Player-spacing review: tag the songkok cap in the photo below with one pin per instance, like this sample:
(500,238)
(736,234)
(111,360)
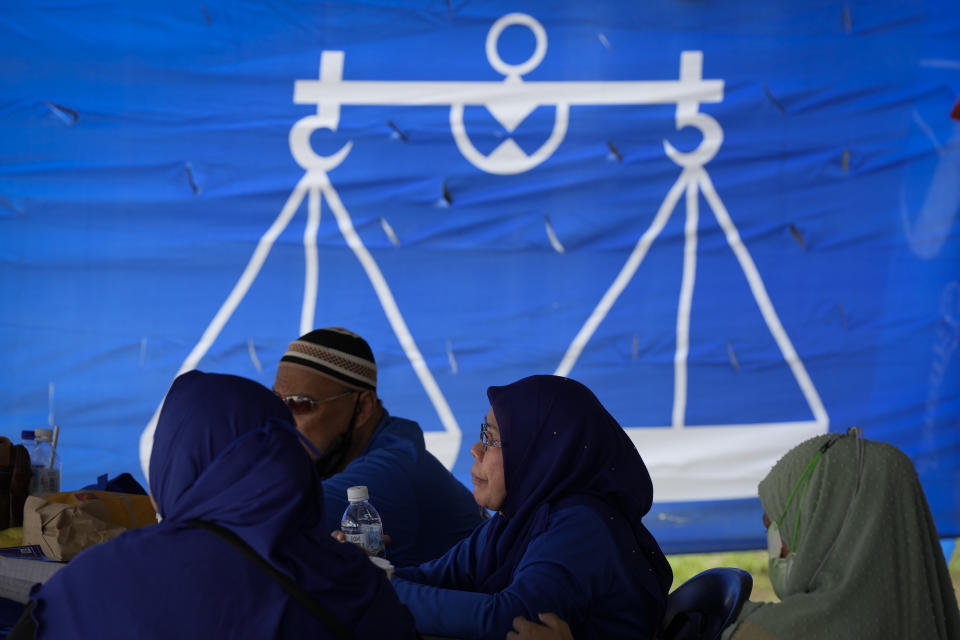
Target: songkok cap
(338,354)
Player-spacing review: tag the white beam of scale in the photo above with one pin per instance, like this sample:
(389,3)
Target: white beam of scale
(679,459)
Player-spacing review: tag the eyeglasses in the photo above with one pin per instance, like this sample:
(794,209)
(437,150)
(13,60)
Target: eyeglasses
(301,404)
(485,440)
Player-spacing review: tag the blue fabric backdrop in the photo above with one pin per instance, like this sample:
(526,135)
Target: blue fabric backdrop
(146,154)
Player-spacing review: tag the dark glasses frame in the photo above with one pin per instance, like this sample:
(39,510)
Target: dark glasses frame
(300,404)
(485,440)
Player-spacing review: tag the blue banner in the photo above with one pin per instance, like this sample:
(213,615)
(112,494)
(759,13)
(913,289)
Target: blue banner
(736,224)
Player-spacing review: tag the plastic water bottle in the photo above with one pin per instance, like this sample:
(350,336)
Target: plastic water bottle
(361,522)
(29,441)
(45,464)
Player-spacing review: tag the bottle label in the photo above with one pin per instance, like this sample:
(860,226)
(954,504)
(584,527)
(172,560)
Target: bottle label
(368,537)
(45,481)
(355,538)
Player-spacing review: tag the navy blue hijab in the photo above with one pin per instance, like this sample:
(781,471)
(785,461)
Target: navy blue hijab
(561,447)
(225,451)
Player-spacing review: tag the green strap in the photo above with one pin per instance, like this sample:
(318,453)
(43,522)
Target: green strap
(804,480)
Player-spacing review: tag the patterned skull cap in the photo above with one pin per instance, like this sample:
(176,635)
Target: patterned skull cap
(338,354)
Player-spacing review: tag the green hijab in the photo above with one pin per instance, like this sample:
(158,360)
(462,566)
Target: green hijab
(868,562)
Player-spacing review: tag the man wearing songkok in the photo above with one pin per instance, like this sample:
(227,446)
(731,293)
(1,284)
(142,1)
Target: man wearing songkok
(328,379)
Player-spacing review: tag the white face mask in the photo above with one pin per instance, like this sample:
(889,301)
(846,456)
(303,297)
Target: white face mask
(779,567)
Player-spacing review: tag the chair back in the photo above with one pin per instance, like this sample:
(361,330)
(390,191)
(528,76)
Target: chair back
(704,605)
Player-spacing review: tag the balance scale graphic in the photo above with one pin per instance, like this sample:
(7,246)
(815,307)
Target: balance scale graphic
(686,463)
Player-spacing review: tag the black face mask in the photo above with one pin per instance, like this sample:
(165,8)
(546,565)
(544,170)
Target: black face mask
(332,457)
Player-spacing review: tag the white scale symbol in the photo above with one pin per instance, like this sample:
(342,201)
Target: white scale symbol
(687,464)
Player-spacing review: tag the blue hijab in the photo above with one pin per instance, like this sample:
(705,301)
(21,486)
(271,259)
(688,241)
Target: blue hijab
(225,451)
(561,447)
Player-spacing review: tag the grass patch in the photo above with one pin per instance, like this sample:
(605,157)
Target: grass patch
(954,567)
(687,565)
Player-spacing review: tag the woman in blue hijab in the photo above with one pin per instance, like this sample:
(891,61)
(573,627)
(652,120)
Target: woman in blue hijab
(570,490)
(225,452)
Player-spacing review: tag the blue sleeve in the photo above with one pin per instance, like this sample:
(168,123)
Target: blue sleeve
(564,570)
(335,500)
(453,570)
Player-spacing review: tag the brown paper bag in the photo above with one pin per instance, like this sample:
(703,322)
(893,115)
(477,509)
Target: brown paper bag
(64,524)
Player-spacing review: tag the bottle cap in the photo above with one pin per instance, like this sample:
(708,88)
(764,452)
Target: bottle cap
(358,493)
(26,434)
(44,435)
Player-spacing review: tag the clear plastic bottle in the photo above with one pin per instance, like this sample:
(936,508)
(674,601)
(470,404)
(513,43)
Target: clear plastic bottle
(361,522)
(45,464)
(29,441)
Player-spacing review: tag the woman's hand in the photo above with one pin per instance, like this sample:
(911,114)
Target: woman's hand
(555,629)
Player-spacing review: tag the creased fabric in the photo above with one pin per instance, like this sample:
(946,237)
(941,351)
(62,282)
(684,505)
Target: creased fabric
(868,563)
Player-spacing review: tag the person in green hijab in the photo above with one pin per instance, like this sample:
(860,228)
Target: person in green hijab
(854,552)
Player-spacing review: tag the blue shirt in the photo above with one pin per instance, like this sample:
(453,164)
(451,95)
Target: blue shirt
(573,569)
(424,509)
